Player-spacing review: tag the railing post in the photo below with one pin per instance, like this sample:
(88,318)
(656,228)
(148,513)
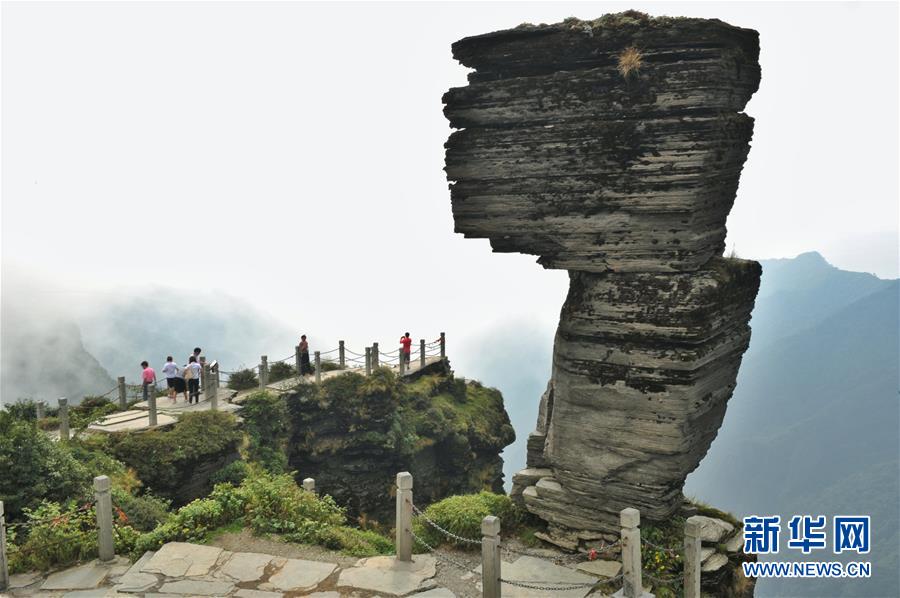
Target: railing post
(297,360)
(309,485)
(490,557)
(212,379)
(374,355)
(632,587)
(404,516)
(443,345)
(692,557)
(263,371)
(422,353)
(402,362)
(341,359)
(103,507)
(368,360)
(151,407)
(63,419)
(122,400)
(4,563)
(39,410)
(204,376)
(318,367)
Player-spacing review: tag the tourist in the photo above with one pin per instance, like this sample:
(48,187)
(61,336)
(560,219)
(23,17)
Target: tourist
(148,379)
(196,356)
(174,381)
(407,348)
(192,377)
(304,356)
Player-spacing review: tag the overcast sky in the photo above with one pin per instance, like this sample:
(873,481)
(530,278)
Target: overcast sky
(292,154)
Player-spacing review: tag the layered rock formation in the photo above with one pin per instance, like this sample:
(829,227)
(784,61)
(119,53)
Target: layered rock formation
(613,149)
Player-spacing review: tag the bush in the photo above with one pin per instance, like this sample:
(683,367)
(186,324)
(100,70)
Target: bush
(266,423)
(34,468)
(275,504)
(56,536)
(280,370)
(243,379)
(24,409)
(166,460)
(462,515)
(233,473)
(143,513)
(90,410)
(356,542)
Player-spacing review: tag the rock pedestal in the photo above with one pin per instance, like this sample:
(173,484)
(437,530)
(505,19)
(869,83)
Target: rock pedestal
(613,149)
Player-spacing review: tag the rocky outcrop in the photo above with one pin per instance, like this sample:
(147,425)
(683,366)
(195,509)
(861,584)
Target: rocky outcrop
(354,434)
(613,149)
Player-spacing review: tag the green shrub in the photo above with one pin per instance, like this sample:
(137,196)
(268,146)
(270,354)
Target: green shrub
(56,536)
(34,468)
(166,459)
(190,523)
(266,423)
(281,370)
(144,512)
(48,423)
(356,542)
(462,515)
(243,379)
(24,409)
(275,504)
(329,366)
(233,473)
(89,410)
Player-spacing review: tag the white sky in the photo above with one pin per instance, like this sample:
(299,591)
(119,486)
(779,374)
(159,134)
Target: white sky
(292,154)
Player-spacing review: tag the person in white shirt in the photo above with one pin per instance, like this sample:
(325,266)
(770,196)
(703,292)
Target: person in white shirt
(192,375)
(174,379)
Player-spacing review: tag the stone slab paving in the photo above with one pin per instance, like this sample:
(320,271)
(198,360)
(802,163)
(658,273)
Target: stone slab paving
(181,559)
(83,577)
(181,569)
(534,570)
(600,568)
(298,575)
(386,575)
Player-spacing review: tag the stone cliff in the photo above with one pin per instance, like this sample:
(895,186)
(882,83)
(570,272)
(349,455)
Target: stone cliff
(613,149)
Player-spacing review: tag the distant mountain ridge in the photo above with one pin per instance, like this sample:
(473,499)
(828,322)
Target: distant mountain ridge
(813,424)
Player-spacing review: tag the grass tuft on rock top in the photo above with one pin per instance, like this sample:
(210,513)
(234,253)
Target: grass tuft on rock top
(281,370)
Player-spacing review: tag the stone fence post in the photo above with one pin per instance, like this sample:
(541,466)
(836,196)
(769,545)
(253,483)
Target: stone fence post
(151,407)
(103,507)
(402,366)
(404,516)
(342,361)
(318,367)
(63,419)
(632,586)
(443,345)
(123,401)
(374,355)
(263,371)
(490,557)
(212,388)
(692,557)
(4,564)
(368,360)
(309,485)
(297,360)
(422,353)
(39,410)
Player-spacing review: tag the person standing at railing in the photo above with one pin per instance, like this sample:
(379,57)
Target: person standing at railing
(406,341)
(148,380)
(192,377)
(174,379)
(304,356)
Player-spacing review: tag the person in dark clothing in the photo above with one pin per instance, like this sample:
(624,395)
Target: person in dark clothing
(304,356)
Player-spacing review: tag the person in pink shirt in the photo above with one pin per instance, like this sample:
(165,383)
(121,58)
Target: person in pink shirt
(148,379)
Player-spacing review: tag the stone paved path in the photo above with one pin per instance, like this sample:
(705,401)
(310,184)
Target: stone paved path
(179,569)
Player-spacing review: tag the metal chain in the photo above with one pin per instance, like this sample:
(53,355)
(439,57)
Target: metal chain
(450,534)
(556,586)
(442,557)
(567,558)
